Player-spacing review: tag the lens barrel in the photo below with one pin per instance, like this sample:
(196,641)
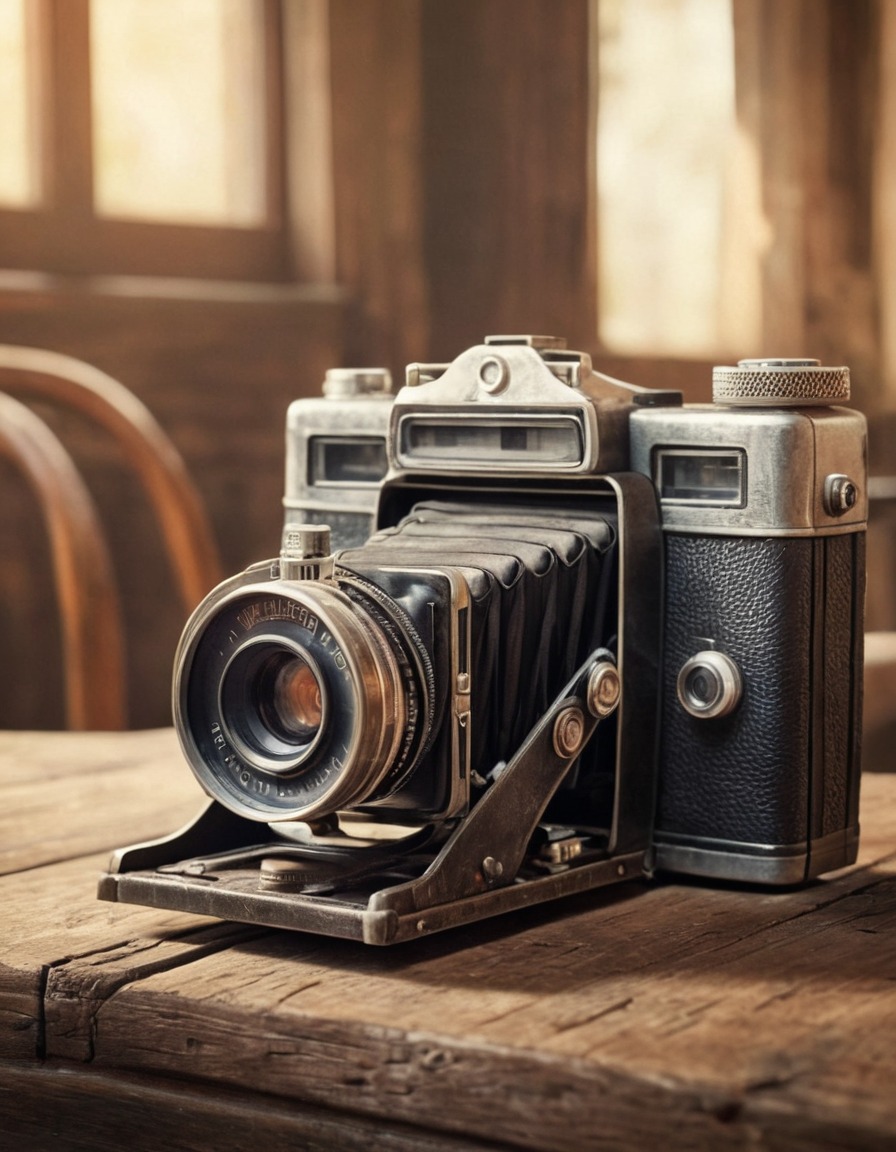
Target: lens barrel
(297,699)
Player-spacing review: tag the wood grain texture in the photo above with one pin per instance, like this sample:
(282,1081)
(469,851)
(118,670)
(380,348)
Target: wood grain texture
(507,186)
(51,918)
(610,1014)
(61,800)
(63,805)
(377,126)
(667,1013)
(807,92)
(73,1110)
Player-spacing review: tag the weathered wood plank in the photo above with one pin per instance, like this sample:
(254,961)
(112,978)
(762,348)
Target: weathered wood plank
(806,95)
(508,229)
(673,1013)
(61,798)
(377,122)
(65,804)
(724,1013)
(75,1110)
(53,924)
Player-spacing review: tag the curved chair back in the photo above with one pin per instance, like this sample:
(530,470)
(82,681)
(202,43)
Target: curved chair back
(85,583)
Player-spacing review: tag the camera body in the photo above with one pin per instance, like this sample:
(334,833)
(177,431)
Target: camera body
(595,633)
(758,771)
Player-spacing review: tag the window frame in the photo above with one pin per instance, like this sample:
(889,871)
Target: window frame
(65,235)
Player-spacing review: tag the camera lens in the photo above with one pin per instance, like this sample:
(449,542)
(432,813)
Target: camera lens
(295,699)
(272,703)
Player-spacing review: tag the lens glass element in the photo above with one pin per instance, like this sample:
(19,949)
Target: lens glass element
(296,707)
(273,704)
(702,687)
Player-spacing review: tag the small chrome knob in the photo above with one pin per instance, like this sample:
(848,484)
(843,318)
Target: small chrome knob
(305,552)
(840,494)
(603,690)
(709,685)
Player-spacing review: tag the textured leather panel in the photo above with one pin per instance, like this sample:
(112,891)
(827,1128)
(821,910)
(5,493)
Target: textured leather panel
(742,777)
(832,790)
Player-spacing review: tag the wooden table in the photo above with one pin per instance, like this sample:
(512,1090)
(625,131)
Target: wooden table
(665,1015)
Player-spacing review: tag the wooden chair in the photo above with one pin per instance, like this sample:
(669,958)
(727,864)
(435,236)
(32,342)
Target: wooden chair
(89,605)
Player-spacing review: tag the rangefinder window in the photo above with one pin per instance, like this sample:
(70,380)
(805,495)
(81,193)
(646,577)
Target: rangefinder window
(355,460)
(719,478)
(496,442)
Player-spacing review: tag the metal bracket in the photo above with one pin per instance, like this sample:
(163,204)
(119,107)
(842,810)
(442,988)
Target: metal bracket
(487,848)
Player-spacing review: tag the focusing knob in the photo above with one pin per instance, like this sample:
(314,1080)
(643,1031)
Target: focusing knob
(709,685)
(780,383)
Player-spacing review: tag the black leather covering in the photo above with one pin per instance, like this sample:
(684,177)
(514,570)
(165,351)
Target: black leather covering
(783,767)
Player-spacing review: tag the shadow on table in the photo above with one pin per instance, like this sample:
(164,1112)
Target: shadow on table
(844,928)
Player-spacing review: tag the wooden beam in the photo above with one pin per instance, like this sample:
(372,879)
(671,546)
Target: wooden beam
(806,92)
(377,127)
(509,240)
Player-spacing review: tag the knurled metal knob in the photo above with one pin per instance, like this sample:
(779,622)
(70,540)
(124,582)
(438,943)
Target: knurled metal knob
(780,383)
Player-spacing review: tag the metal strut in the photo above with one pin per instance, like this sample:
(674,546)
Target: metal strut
(487,848)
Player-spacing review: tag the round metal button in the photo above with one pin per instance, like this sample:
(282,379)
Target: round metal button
(709,685)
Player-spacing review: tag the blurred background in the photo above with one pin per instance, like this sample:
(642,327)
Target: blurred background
(216,200)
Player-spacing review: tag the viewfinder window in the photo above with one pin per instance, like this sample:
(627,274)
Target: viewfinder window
(692,476)
(491,443)
(361,460)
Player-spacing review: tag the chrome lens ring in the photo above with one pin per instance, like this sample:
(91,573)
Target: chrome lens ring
(363,714)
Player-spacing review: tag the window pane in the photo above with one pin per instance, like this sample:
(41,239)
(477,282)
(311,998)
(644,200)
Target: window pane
(178,108)
(18,136)
(679,222)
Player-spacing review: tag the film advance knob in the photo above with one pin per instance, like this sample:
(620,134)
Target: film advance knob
(709,685)
(780,383)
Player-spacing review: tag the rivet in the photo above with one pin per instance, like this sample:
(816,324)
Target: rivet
(604,689)
(569,731)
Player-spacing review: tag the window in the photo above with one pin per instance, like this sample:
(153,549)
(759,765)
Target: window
(18,170)
(680,230)
(142,136)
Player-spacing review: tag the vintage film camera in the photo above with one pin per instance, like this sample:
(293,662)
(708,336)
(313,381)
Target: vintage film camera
(597,633)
